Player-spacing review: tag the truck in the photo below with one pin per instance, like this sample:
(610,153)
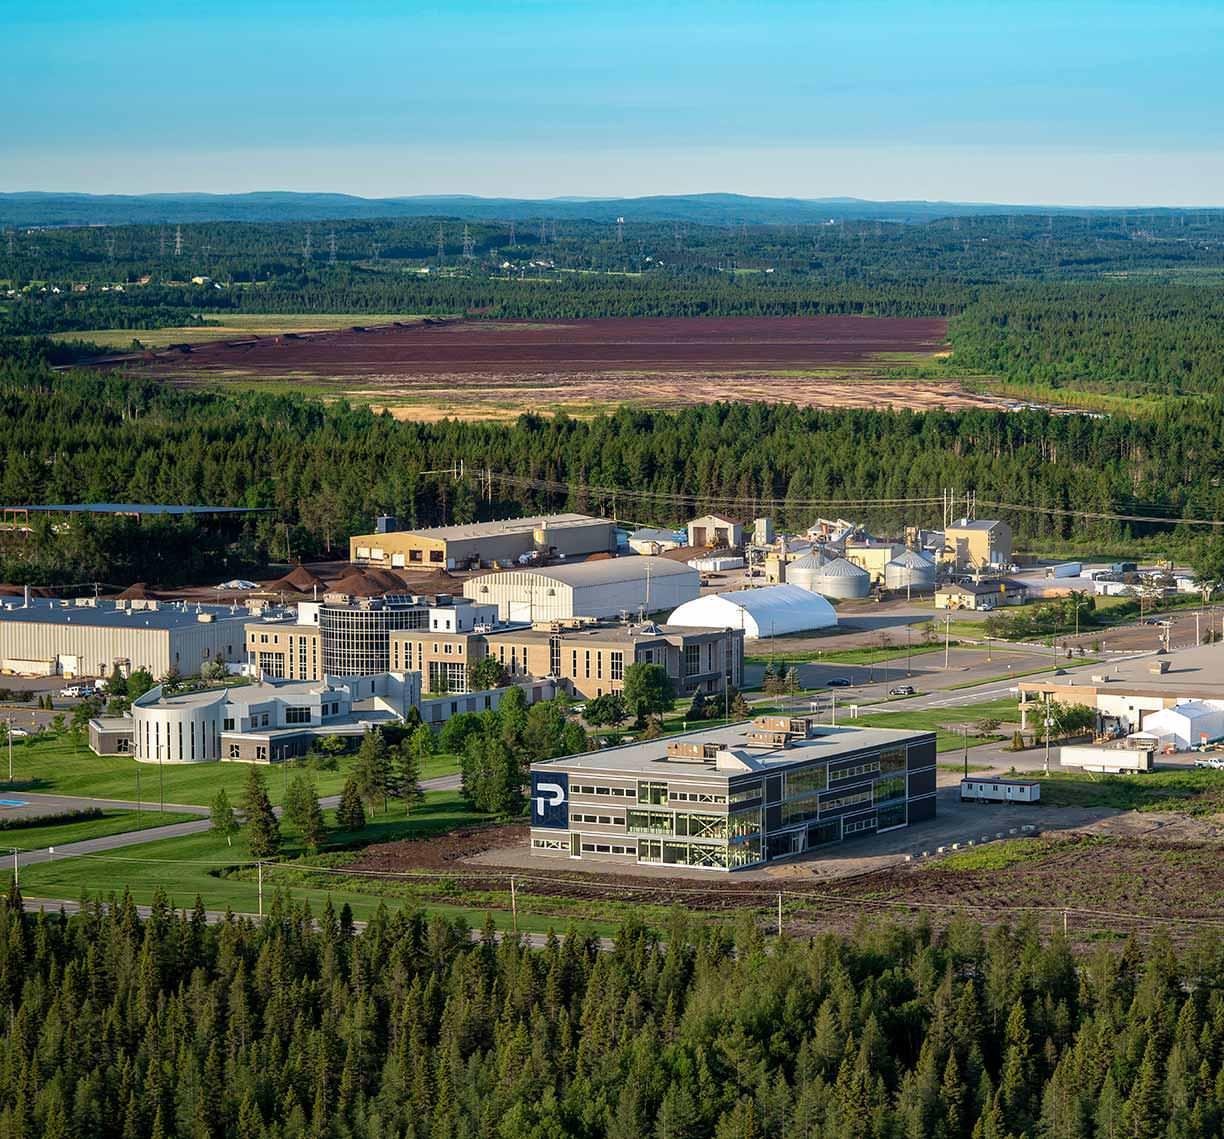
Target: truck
(1064,569)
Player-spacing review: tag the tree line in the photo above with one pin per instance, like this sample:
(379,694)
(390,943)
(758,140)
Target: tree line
(122,1027)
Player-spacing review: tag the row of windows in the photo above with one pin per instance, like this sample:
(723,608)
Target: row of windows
(696,797)
(867,767)
(588,789)
(854,799)
(605,848)
(798,783)
(549,843)
(297,715)
(698,854)
(744,794)
(856,825)
(602,820)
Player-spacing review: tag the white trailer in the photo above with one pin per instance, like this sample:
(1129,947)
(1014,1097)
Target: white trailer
(1064,569)
(1000,790)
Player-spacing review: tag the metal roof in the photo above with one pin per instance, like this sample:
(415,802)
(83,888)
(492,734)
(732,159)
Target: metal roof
(605,571)
(650,758)
(840,567)
(136,508)
(468,530)
(105,614)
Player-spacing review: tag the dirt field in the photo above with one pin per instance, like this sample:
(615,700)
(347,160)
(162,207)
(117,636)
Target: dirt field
(427,369)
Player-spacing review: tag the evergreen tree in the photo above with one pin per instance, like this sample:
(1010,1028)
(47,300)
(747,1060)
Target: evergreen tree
(224,822)
(303,811)
(263,831)
(350,812)
(372,770)
(412,753)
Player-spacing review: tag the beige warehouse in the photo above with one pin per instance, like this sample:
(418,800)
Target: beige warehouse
(484,543)
(604,588)
(88,637)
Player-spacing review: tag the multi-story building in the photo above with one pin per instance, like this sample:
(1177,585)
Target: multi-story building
(343,636)
(972,545)
(731,797)
(588,660)
(475,544)
(91,637)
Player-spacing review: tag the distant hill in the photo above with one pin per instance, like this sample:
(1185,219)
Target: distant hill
(38,208)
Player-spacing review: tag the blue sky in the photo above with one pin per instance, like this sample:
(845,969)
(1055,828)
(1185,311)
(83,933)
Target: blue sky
(1005,101)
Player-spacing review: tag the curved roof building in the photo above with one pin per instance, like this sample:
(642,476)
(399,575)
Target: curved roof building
(769,612)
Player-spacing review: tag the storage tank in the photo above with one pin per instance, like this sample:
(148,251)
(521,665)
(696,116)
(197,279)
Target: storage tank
(802,571)
(909,570)
(839,579)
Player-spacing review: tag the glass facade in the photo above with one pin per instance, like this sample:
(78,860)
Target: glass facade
(357,638)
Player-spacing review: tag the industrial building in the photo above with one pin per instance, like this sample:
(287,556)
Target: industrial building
(716,532)
(476,544)
(772,611)
(980,595)
(649,540)
(588,659)
(838,579)
(607,587)
(974,545)
(910,571)
(91,637)
(871,555)
(346,636)
(1125,694)
(733,797)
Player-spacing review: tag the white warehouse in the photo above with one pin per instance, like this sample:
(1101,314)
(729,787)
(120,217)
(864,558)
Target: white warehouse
(604,588)
(769,612)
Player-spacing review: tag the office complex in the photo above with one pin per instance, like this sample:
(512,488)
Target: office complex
(732,797)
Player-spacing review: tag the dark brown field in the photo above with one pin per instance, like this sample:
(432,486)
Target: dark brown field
(498,369)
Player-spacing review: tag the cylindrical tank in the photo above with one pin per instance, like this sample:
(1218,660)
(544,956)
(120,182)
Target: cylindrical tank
(801,571)
(840,579)
(909,570)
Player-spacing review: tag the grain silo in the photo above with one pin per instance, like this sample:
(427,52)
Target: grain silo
(840,579)
(803,571)
(909,570)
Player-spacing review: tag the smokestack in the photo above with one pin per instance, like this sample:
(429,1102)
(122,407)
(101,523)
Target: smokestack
(26,597)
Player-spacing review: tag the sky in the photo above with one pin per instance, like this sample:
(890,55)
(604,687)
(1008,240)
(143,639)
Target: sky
(1078,103)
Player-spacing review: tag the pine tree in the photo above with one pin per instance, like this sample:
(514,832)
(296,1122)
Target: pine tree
(408,776)
(224,821)
(372,770)
(303,811)
(350,813)
(263,830)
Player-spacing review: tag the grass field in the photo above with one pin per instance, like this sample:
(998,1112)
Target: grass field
(55,767)
(864,655)
(113,821)
(1195,792)
(204,865)
(232,326)
(934,720)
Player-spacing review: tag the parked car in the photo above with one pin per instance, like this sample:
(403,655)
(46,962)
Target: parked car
(1213,761)
(837,682)
(902,690)
(18,733)
(72,690)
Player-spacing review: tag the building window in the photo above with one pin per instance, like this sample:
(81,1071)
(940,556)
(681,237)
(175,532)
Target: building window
(554,655)
(227,725)
(890,787)
(263,719)
(867,767)
(652,794)
(841,802)
(297,715)
(261,752)
(805,782)
(692,659)
(235,751)
(616,665)
(893,759)
(890,817)
(650,822)
(744,793)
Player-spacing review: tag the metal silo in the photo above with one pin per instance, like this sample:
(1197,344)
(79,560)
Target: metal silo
(840,579)
(802,571)
(909,570)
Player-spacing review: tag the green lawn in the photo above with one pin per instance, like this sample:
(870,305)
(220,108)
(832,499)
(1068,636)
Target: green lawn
(113,821)
(203,865)
(865,654)
(55,767)
(1196,791)
(934,719)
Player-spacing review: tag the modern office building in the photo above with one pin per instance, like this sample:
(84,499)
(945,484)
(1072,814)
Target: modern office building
(343,636)
(91,637)
(587,659)
(732,797)
(475,544)
(608,587)
(255,723)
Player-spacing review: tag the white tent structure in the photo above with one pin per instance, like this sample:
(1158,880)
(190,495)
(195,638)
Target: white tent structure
(1186,725)
(769,612)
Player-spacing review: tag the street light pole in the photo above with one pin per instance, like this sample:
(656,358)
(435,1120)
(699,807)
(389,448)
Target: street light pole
(1047,733)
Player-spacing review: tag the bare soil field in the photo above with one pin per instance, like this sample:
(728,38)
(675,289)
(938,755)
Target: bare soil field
(426,369)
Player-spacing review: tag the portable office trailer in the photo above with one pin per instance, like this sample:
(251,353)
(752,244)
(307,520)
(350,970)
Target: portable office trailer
(1000,791)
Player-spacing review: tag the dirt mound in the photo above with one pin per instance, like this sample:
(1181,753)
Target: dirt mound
(390,582)
(358,584)
(298,580)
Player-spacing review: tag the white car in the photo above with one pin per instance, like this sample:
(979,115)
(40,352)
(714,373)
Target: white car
(18,733)
(71,691)
(1212,761)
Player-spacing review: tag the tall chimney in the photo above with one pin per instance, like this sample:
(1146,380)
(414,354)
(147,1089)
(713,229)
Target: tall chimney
(26,597)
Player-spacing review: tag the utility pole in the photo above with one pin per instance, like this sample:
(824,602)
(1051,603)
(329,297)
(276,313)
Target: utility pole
(16,871)
(259,868)
(331,248)
(306,245)
(779,913)
(178,240)
(1047,733)
(10,747)
(513,904)
(947,639)
(468,244)
(513,242)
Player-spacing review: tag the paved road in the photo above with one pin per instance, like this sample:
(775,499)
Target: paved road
(41,803)
(174,830)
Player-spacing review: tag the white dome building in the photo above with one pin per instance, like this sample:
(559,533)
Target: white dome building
(769,612)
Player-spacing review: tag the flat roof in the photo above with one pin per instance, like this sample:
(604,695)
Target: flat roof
(628,634)
(1192,672)
(470,530)
(136,508)
(974,524)
(105,614)
(605,571)
(650,758)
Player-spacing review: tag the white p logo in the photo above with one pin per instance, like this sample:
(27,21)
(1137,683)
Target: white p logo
(548,795)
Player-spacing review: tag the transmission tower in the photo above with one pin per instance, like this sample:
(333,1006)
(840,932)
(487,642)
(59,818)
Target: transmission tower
(552,227)
(178,240)
(110,247)
(306,245)
(513,243)
(543,232)
(10,242)
(468,244)
(620,231)
(331,248)
(441,245)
